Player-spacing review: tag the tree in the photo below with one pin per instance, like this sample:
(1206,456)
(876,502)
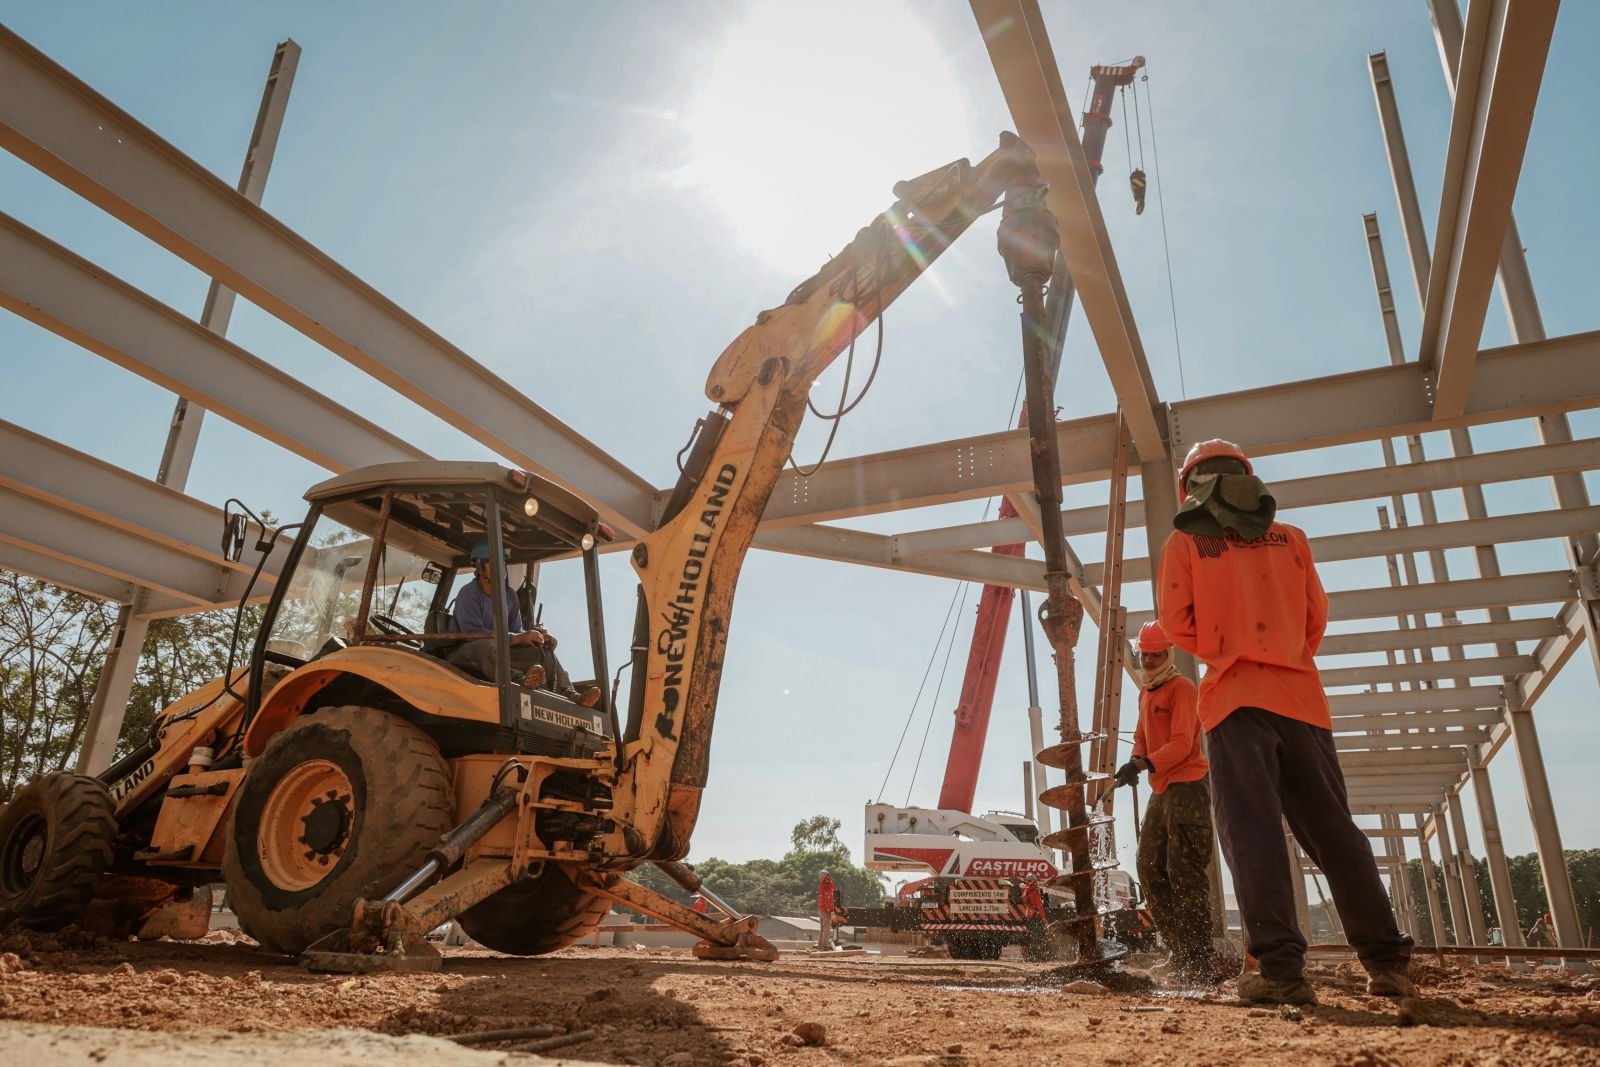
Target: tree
(52,645)
(1527,886)
(787,886)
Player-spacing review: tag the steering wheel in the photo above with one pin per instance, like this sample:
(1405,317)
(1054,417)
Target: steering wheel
(389,625)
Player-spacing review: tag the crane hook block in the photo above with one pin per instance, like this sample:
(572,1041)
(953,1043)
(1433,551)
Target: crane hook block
(1138,181)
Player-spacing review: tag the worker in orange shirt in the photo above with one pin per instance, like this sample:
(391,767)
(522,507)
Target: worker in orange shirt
(1175,837)
(1240,592)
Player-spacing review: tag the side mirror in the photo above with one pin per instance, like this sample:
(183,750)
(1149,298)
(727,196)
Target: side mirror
(234,528)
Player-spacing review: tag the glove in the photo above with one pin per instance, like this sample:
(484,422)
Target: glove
(1128,773)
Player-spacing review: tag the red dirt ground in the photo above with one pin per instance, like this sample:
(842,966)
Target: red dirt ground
(665,1008)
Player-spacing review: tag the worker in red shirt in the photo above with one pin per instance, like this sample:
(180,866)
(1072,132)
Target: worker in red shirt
(1175,837)
(1240,592)
(1033,899)
(825,898)
(1037,920)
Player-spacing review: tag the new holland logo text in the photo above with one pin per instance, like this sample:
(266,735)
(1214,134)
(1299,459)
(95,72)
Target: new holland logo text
(130,783)
(678,614)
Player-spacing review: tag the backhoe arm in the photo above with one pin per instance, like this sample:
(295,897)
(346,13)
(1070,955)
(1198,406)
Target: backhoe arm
(688,567)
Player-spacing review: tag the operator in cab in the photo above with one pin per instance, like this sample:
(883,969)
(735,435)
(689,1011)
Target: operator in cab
(1240,591)
(533,650)
(1175,843)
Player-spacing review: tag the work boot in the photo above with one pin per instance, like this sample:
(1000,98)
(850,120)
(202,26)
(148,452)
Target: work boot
(1390,982)
(534,678)
(1257,988)
(587,697)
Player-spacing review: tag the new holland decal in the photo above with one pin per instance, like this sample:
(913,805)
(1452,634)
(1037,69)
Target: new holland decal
(679,613)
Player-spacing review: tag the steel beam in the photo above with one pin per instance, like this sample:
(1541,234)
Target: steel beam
(1553,653)
(112,551)
(1541,587)
(1554,524)
(66,574)
(1019,48)
(1466,697)
(1487,667)
(1412,740)
(1502,66)
(37,467)
(876,550)
(77,300)
(1517,381)
(1509,465)
(970,468)
(1472,633)
(1421,719)
(1447,759)
(57,123)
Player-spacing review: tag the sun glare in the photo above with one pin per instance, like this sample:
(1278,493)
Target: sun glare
(807,116)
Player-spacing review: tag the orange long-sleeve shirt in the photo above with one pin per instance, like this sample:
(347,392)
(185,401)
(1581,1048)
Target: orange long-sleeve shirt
(1254,613)
(1168,734)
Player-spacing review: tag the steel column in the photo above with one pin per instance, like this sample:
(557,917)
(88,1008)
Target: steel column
(1459,929)
(115,686)
(1546,831)
(1503,52)
(1468,872)
(1505,900)
(1430,887)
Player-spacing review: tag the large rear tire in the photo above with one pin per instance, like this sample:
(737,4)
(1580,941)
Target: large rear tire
(536,916)
(55,841)
(341,806)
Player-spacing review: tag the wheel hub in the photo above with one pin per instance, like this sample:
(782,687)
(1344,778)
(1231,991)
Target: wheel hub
(306,825)
(328,824)
(22,854)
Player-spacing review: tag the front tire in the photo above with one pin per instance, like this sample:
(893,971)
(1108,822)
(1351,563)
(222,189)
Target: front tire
(341,806)
(535,916)
(55,841)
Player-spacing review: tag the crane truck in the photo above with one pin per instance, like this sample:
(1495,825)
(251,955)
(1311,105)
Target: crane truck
(355,790)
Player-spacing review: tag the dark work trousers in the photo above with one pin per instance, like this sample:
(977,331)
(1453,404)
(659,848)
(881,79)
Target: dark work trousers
(1175,868)
(477,657)
(1266,768)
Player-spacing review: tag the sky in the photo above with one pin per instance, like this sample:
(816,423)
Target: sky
(593,200)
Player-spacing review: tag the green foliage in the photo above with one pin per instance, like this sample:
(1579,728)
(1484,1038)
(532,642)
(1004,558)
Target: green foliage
(52,646)
(1527,886)
(787,886)
(52,643)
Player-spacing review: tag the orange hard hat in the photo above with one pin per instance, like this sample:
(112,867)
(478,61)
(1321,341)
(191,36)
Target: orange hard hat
(1216,448)
(1152,638)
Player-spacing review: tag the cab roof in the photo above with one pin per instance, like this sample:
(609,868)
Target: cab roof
(438,509)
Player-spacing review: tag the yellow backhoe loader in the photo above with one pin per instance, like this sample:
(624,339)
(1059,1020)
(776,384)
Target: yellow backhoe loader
(354,789)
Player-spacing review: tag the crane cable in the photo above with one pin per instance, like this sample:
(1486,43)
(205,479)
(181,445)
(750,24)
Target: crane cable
(961,589)
(1161,206)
